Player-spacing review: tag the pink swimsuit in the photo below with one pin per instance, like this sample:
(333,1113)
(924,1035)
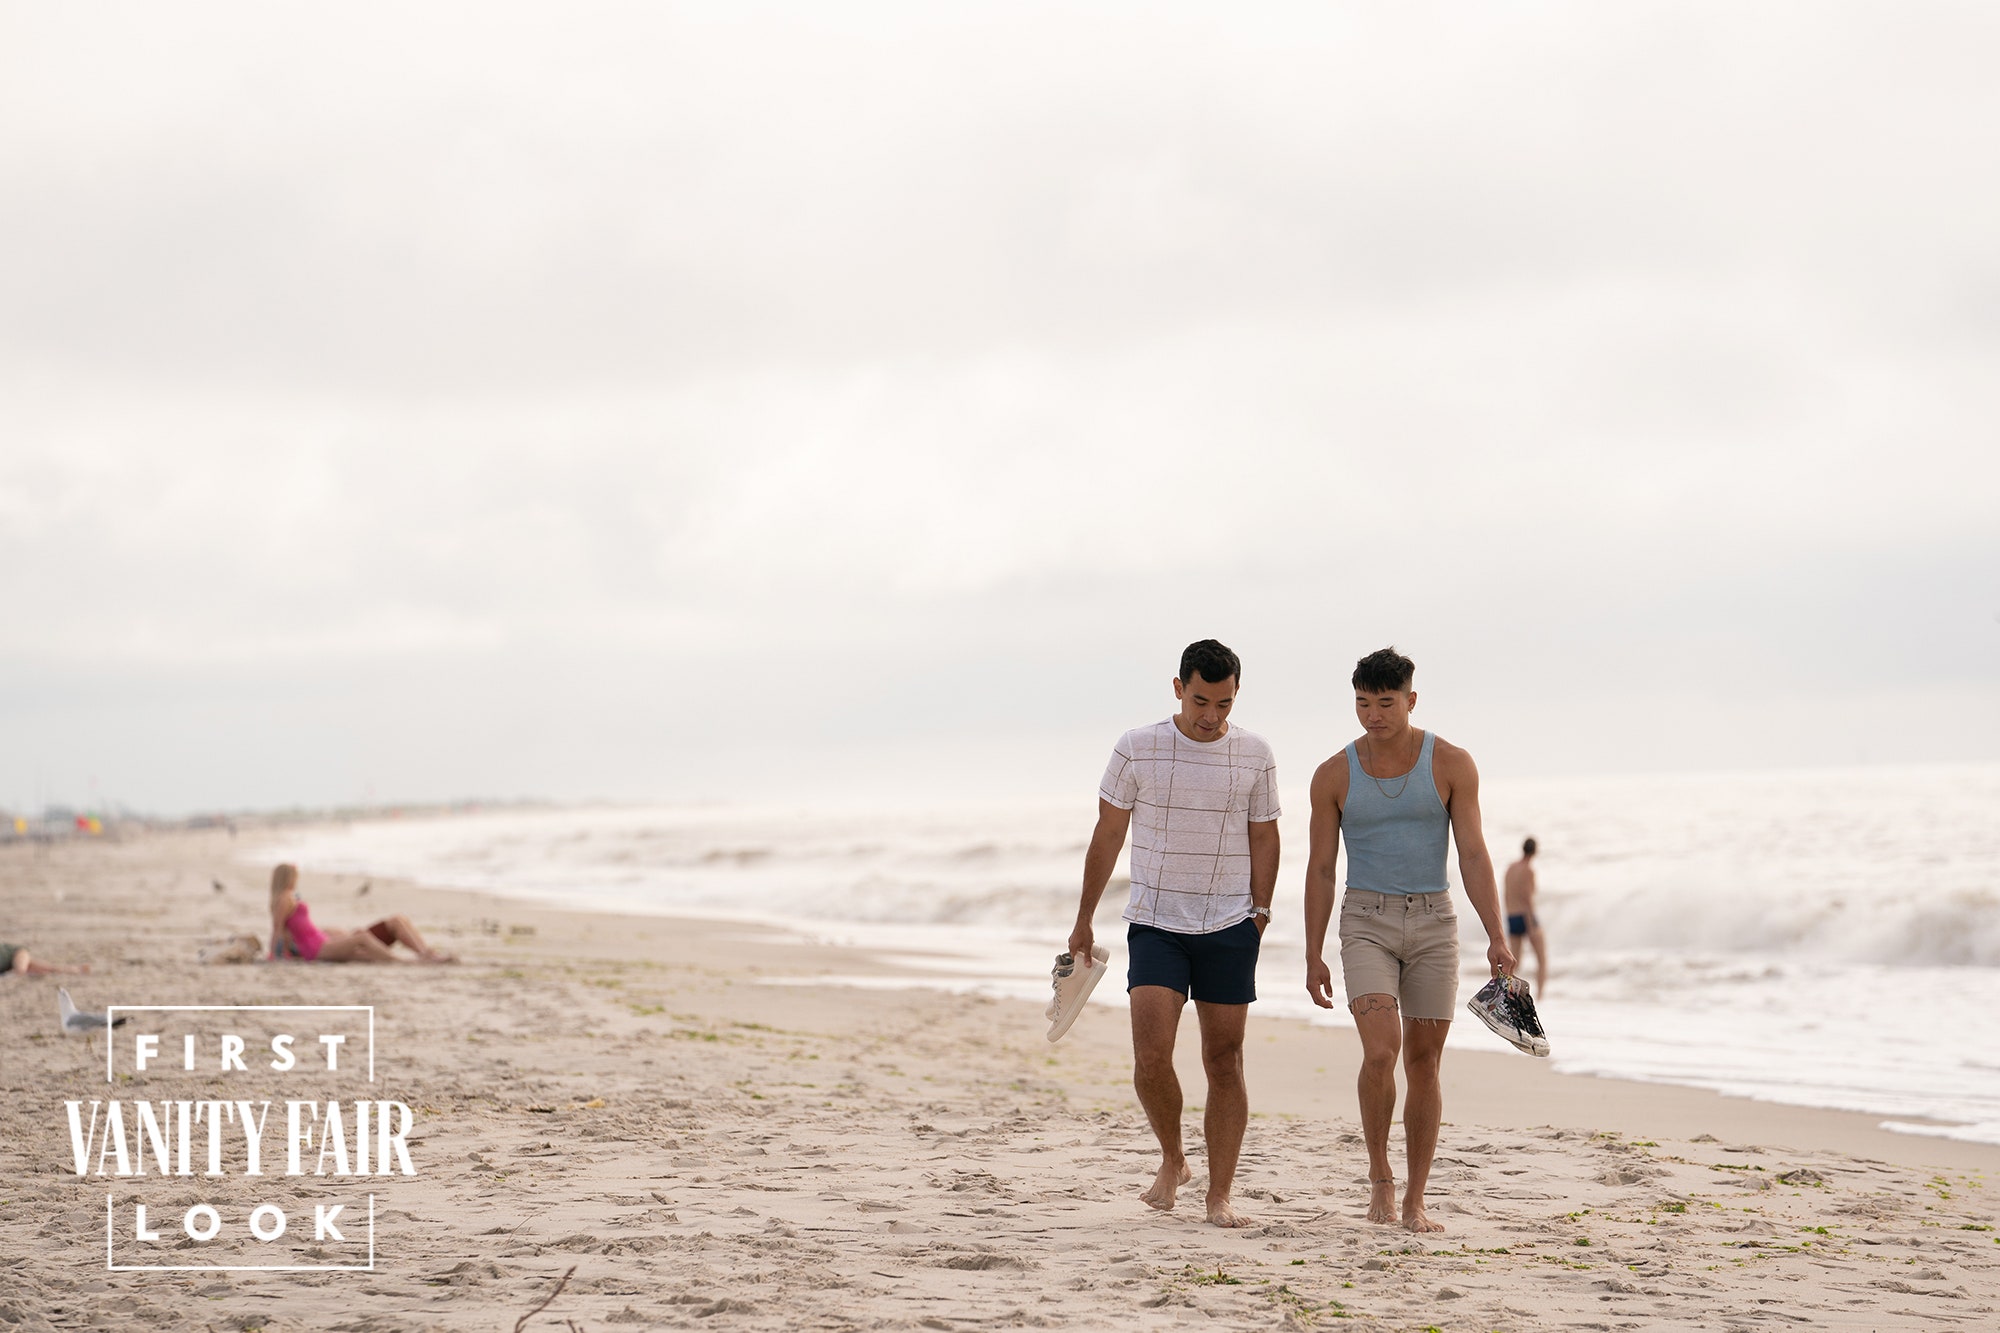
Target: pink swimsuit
(307,938)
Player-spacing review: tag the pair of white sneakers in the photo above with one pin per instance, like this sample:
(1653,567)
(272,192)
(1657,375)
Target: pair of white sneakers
(1073,985)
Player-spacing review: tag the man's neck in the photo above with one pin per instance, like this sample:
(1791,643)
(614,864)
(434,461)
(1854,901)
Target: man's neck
(1184,729)
(1392,754)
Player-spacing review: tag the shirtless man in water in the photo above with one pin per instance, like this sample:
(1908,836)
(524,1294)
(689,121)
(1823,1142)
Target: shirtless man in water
(1397,795)
(1204,866)
(1522,923)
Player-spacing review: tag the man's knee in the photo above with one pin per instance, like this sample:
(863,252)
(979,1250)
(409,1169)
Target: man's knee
(1151,1060)
(1421,1057)
(1378,1061)
(1223,1060)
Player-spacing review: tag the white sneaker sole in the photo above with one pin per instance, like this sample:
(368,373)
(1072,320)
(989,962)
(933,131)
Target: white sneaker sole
(1508,1033)
(1100,963)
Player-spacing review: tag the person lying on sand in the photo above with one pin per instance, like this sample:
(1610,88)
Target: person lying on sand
(293,933)
(14,959)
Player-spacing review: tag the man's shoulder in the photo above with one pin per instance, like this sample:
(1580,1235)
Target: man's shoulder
(1249,745)
(1334,765)
(1444,752)
(1330,780)
(1148,741)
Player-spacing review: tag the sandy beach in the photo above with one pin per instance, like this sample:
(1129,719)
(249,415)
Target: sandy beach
(675,1111)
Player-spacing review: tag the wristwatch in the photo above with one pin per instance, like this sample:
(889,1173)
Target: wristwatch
(1264,912)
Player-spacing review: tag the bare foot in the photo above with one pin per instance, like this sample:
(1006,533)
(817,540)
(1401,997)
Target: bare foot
(1222,1214)
(1166,1185)
(1382,1201)
(439,956)
(1415,1218)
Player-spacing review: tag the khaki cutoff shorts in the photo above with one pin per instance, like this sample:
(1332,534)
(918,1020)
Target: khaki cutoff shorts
(1401,944)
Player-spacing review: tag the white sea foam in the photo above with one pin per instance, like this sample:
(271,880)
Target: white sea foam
(1823,938)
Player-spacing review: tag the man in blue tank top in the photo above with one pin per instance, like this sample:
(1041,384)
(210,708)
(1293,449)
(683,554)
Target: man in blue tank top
(1397,795)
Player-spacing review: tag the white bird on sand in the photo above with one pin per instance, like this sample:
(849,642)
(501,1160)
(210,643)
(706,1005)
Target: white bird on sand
(76,1023)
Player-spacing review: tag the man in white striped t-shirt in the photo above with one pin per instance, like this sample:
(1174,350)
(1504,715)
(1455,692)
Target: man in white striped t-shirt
(1200,797)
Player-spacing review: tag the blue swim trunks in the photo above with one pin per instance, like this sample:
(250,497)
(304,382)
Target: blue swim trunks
(1217,968)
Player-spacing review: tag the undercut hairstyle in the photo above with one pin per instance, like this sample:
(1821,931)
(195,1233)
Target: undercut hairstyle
(1212,660)
(1384,670)
(1528,847)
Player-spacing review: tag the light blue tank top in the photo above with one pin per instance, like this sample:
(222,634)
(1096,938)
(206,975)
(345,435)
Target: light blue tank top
(1397,831)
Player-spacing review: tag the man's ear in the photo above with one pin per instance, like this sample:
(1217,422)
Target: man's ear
(1177,688)
(1413,701)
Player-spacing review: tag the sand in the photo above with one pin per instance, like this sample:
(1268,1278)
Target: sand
(629,1098)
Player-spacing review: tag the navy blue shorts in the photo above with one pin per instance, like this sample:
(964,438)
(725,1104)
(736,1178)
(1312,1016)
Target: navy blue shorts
(1217,968)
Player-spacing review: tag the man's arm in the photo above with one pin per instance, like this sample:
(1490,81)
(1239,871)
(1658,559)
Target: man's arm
(1263,868)
(1106,841)
(1475,863)
(1329,785)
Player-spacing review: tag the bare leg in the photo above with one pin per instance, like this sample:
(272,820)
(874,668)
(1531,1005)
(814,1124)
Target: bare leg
(1541,960)
(1423,1109)
(1379,1023)
(1156,1018)
(1228,1108)
(356,946)
(406,934)
(28,967)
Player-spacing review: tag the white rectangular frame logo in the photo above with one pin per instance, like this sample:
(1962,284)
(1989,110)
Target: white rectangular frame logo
(110,1200)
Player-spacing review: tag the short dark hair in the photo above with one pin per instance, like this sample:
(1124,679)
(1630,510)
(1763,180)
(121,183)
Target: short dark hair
(1383,670)
(1528,847)
(1215,663)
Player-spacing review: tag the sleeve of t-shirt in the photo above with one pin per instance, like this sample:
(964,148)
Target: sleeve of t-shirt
(1264,793)
(1121,777)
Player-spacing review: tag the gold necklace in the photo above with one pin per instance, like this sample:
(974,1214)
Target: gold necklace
(1387,794)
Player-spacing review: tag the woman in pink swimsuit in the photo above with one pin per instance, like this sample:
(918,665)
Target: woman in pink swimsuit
(293,932)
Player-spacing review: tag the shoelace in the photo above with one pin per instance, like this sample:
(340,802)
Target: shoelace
(1065,966)
(1520,1007)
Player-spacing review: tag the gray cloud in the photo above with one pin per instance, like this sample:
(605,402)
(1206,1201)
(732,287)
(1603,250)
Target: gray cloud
(425,391)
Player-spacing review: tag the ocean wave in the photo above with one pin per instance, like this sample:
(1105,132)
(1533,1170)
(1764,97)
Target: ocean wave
(1853,867)
(1987,1131)
(1952,928)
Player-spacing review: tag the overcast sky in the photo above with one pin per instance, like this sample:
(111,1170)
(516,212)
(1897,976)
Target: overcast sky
(416,400)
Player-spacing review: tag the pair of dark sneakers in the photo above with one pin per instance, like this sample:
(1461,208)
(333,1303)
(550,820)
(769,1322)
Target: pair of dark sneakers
(1505,1005)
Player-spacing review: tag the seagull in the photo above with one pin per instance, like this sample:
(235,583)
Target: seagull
(76,1023)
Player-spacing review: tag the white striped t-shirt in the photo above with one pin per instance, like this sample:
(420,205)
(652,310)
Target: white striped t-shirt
(1192,805)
